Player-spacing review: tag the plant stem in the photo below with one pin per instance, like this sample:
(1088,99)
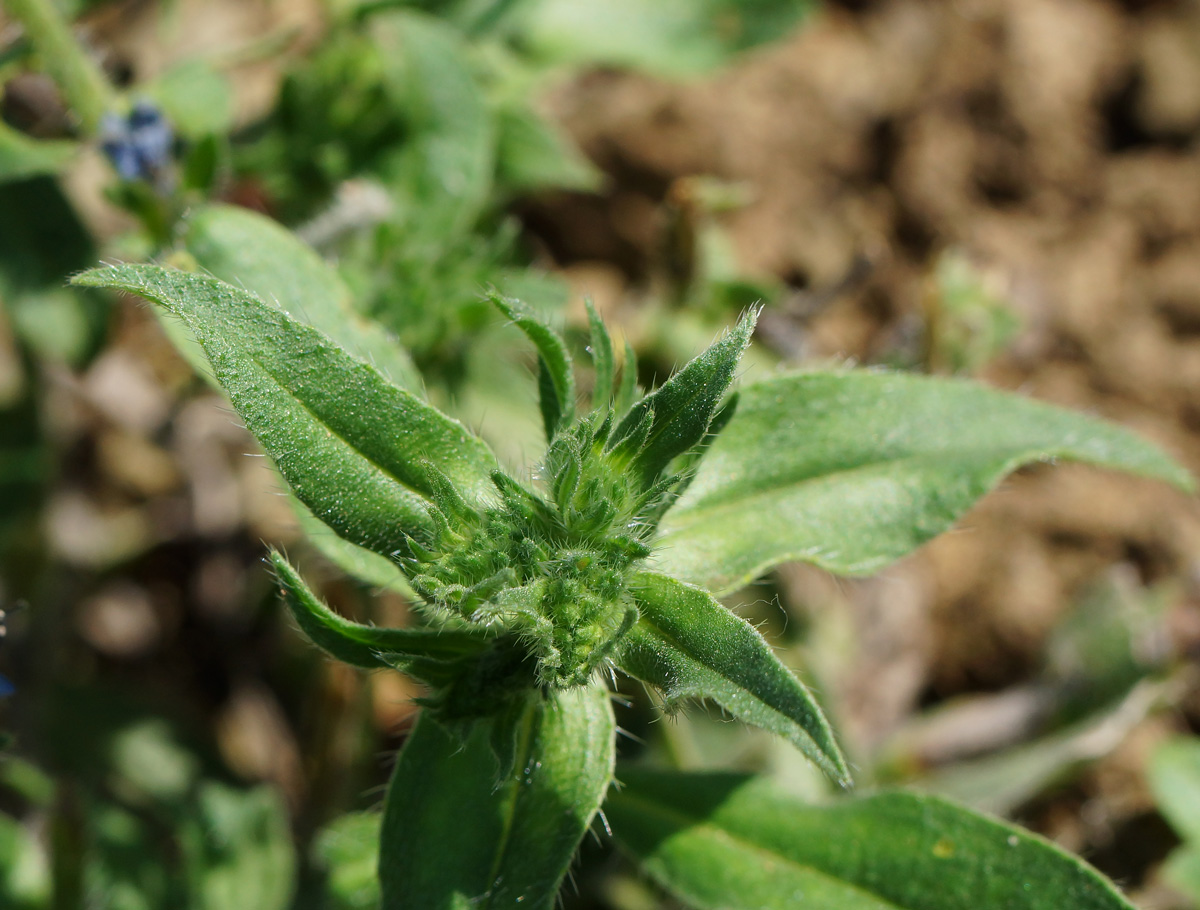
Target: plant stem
(86,90)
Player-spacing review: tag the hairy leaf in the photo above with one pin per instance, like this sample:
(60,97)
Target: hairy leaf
(681,409)
(366,646)
(689,646)
(556,381)
(352,446)
(730,842)
(249,250)
(364,565)
(852,470)
(454,837)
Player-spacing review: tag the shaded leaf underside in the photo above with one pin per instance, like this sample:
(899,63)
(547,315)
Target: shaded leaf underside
(731,842)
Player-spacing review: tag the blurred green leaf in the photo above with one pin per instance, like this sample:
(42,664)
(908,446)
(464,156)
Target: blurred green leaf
(852,470)
(196,97)
(532,155)
(670,37)
(1005,781)
(443,170)
(1175,782)
(41,238)
(239,852)
(24,868)
(969,324)
(54,323)
(146,758)
(1182,871)
(23,156)
(127,864)
(334,120)
(735,843)
(348,850)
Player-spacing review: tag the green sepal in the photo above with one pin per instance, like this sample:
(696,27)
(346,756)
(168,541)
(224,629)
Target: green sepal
(348,442)
(627,390)
(736,843)
(603,364)
(556,380)
(455,838)
(676,416)
(689,646)
(851,470)
(368,646)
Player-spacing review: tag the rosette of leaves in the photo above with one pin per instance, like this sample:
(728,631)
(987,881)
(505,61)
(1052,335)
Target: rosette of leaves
(643,509)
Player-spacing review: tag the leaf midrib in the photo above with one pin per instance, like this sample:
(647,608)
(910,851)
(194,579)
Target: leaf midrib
(704,506)
(692,823)
(487,899)
(674,642)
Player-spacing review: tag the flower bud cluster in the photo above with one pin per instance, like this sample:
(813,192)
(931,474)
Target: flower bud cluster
(548,569)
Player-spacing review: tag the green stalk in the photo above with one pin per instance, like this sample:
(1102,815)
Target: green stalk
(86,90)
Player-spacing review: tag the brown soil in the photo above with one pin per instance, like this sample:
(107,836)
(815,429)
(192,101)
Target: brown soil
(1054,142)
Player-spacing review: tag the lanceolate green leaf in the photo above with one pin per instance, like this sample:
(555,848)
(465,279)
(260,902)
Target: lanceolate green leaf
(366,646)
(22,156)
(454,837)
(851,470)
(603,363)
(680,410)
(729,842)
(556,381)
(627,390)
(352,446)
(249,250)
(689,646)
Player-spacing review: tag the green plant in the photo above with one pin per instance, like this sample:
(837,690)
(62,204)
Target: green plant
(1175,780)
(644,509)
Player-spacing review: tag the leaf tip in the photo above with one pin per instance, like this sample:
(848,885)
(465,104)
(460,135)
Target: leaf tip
(98,277)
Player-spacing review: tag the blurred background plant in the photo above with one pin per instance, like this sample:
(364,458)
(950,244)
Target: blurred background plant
(899,183)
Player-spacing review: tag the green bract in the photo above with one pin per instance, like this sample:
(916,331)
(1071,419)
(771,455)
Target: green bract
(641,511)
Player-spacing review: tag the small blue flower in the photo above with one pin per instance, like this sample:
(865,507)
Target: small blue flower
(6,687)
(139,145)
